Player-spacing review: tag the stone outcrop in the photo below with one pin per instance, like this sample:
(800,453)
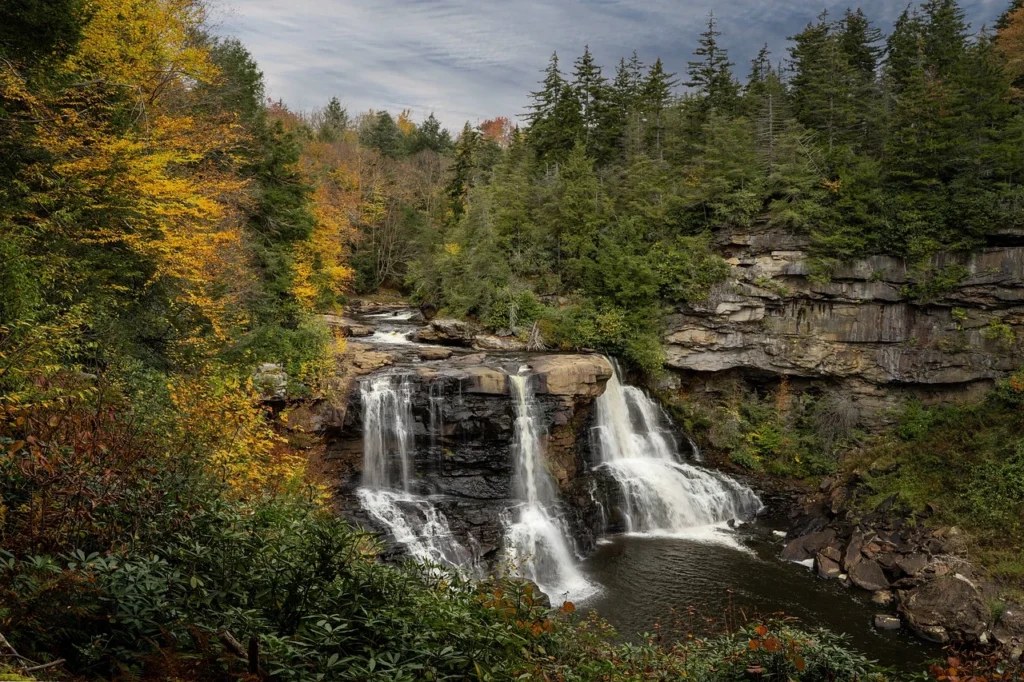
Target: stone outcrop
(875,326)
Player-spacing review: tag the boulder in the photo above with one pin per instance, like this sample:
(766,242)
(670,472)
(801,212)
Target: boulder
(346,326)
(1009,628)
(868,575)
(852,555)
(884,621)
(428,354)
(271,381)
(492,342)
(827,568)
(575,375)
(806,546)
(944,609)
(448,332)
(882,597)
(912,564)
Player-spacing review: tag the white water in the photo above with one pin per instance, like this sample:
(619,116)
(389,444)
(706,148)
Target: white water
(660,494)
(413,520)
(536,542)
(416,523)
(391,338)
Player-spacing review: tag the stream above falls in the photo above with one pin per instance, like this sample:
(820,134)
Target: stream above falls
(551,467)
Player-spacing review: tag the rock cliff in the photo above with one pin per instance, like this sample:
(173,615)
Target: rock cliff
(877,327)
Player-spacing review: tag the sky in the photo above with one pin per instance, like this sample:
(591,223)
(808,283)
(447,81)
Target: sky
(471,60)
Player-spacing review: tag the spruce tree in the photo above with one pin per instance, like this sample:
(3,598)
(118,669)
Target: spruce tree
(333,121)
(711,75)
(555,120)
(462,171)
(860,42)
(823,87)
(904,50)
(944,36)
(655,97)
(592,92)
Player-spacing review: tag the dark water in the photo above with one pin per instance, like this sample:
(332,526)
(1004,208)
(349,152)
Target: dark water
(644,579)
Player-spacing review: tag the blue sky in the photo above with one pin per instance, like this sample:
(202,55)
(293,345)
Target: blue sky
(477,59)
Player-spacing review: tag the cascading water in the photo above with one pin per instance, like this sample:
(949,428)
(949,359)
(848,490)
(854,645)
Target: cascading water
(413,520)
(536,542)
(660,494)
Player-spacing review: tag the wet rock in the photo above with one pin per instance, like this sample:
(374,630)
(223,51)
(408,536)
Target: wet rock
(884,621)
(805,547)
(827,568)
(882,597)
(868,575)
(449,332)
(852,555)
(428,354)
(944,609)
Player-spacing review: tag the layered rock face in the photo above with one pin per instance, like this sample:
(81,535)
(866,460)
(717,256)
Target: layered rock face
(874,326)
(463,431)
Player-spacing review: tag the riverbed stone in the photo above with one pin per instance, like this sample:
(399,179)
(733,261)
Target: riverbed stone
(449,332)
(826,567)
(429,354)
(948,607)
(868,575)
(883,597)
(807,546)
(885,621)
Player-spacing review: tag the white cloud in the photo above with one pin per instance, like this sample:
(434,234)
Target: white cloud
(475,60)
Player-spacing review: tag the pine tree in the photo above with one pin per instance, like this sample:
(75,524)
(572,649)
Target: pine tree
(462,171)
(555,120)
(823,87)
(945,35)
(430,135)
(904,50)
(860,42)
(655,97)
(333,121)
(711,75)
(592,92)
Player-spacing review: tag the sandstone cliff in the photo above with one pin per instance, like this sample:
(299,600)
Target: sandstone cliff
(877,328)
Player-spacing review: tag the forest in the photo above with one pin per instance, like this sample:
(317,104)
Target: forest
(165,228)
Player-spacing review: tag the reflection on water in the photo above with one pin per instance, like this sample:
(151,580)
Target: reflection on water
(644,578)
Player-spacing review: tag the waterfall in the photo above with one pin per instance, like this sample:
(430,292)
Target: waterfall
(387,431)
(412,520)
(660,494)
(536,542)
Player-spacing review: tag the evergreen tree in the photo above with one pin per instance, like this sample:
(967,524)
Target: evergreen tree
(656,95)
(824,87)
(462,170)
(430,135)
(904,49)
(591,89)
(944,35)
(555,120)
(333,121)
(383,134)
(711,74)
(860,42)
